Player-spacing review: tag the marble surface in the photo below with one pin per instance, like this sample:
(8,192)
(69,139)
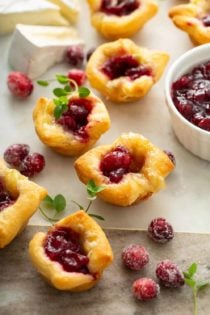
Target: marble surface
(23,290)
(184,202)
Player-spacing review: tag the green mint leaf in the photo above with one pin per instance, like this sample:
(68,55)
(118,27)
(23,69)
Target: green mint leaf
(80,206)
(186,274)
(92,188)
(42,83)
(96,216)
(190,282)
(83,91)
(63,100)
(58,111)
(57,101)
(201,284)
(63,79)
(67,88)
(192,270)
(48,201)
(59,92)
(59,203)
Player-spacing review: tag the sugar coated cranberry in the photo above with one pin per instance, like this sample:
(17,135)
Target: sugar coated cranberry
(119,7)
(160,230)
(75,55)
(89,53)
(19,84)
(145,289)
(15,153)
(32,164)
(171,156)
(79,76)
(169,274)
(135,257)
(63,246)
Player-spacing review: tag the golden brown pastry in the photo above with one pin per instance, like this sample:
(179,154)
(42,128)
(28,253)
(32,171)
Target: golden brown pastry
(19,199)
(123,71)
(73,254)
(117,19)
(78,128)
(131,169)
(193,18)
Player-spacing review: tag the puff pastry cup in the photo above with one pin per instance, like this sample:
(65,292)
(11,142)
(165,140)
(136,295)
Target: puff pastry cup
(145,167)
(95,245)
(193,18)
(23,198)
(66,141)
(114,24)
(123,71)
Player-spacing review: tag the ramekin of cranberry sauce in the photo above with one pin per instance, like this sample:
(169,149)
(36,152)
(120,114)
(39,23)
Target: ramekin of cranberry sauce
(187,92)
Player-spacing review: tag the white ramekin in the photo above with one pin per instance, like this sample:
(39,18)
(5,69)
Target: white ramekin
(193,138)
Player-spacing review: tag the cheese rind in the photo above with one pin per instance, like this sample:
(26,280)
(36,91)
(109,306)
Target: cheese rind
(34,49)
(69,9)
(33,12)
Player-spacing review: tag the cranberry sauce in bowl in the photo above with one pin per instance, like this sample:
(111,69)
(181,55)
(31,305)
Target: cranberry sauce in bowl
(187,93)
(119,7)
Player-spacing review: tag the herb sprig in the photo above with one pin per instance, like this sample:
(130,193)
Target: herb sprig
(195,285)
(58,203)
(62,93)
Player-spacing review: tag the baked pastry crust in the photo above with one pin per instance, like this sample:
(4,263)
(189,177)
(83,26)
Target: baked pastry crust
(187,17)
(114,27)
(95,244)
(65,142)
(28,196)
(123,89)
(133,187)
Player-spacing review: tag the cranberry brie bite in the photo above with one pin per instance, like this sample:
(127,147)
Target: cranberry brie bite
(123,71)
(73,254)
(79,126)
(131,169)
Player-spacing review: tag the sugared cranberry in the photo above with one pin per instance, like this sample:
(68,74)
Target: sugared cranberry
(171,156)
(145,289)
(125,65)
(89,53)
(169,274)
(19,84)
(15,153)
(5,199)
(135,257)
(79,76)
(160,230)
(63,245)
(32,164)
(75,55)
(119,7)
(206,20)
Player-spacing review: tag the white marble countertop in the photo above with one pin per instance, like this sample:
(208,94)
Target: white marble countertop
(186,199)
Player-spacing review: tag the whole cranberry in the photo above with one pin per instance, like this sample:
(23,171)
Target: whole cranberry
(79,76)
(160,230)
(19,84)
(169,274)
(32,164)
(145,289)
(75,55)
(15,153)
(135,257)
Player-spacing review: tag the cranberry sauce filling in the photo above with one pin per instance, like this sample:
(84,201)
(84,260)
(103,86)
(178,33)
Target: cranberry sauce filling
(119,7)
(191,95)
(75,118)
(5,199)
(124,65)
(117,163)
(206,20)
(63,246)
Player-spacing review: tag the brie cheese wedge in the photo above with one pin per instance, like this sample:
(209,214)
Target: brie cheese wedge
(34,49)
(38,12)
(69,9)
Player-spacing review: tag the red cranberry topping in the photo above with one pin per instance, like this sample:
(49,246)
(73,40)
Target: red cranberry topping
(75,118)
(79,76)
(62,245)
(75,55)
(145,289)
(191,95)
(5,199)
(206,20)
(160,230)
(171,156)
(135,257)
(15,153)
(116,163)
(119,7)
(19,84)
(169,274)
(32,164)
(125,65)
